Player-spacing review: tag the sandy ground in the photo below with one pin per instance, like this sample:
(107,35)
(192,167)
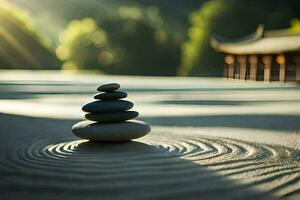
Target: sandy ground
(210,139)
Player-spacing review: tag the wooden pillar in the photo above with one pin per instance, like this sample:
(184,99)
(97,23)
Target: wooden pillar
(225,71)
(230,62)
(253,60)
(242,60)
(267,62)
(280,59)
(297,62)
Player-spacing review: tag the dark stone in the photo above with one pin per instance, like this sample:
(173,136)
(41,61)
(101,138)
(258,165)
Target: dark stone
(109,87)
(112,116)
(111,95)
(107,106)
(111,132)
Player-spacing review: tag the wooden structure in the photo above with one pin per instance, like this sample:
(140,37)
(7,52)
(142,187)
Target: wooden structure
(263,55)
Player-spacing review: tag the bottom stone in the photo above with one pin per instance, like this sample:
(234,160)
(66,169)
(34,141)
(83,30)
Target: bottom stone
(111,132)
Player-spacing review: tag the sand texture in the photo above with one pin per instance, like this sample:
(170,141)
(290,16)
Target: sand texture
(210,139)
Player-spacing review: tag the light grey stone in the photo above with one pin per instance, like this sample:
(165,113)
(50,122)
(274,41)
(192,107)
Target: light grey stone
(107,106)
(112,116)
(111,132)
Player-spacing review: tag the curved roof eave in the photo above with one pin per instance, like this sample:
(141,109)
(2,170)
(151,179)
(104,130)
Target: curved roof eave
(218,40)
(264,46)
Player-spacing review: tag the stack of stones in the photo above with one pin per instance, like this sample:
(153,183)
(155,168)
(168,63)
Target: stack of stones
(109,118)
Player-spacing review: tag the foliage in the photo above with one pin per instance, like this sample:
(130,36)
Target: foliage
(142,48)
(199,34)
(295,25)
(21,45)
(135,42)
(81,44)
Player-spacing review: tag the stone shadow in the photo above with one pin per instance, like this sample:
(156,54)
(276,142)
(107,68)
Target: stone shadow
(89,170)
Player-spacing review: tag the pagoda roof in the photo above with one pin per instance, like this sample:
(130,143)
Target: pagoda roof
(259,42)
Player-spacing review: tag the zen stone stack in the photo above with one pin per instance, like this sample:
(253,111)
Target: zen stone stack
(109,118)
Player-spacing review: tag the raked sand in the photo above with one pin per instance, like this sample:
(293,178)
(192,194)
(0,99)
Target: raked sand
(210,139)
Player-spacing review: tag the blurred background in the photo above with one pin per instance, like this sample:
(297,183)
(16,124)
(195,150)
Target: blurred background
(131,37)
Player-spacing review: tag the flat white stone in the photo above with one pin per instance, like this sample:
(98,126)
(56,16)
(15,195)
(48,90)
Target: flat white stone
(111,132)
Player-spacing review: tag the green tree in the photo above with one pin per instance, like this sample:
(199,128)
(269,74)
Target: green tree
(295,25)
(21,44)
(84,45)
(198,35)
(134,43)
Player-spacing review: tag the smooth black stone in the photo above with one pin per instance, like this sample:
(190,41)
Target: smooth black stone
(107,106)
(111,95)
(109,87)
(112,117)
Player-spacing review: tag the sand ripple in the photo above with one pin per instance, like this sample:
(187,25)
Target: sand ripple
(161,164)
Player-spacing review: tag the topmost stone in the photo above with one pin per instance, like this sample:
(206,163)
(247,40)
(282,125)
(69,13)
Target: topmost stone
(108,87)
